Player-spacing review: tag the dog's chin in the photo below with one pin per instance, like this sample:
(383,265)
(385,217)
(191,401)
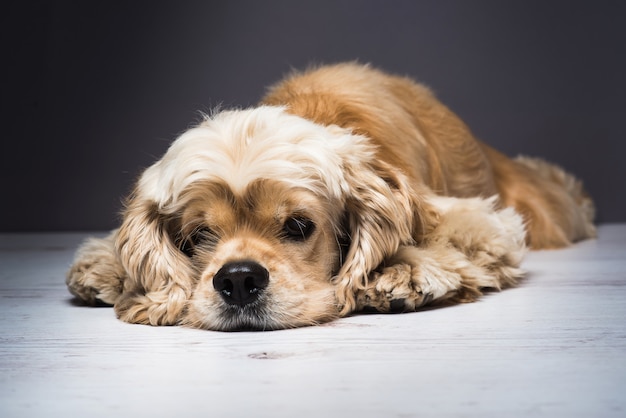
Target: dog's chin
(265,314)
(252,317)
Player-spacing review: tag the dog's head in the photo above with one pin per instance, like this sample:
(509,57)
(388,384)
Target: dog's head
(257,219)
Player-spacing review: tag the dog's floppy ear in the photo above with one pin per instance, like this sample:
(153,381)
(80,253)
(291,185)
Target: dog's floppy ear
(159,274)
(384,211)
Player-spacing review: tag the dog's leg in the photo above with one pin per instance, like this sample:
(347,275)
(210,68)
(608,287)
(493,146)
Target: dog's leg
(473,247)
(96,275)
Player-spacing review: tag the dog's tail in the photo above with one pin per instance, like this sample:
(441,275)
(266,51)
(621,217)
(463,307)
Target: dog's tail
(576,206)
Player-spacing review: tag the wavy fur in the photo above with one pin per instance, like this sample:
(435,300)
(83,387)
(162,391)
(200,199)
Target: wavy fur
(399,206)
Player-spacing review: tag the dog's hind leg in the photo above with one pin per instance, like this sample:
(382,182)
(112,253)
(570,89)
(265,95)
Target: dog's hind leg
(96,275)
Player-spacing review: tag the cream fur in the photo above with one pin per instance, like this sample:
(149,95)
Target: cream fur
(404,208)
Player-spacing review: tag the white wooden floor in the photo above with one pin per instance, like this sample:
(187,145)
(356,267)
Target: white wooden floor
(553,347)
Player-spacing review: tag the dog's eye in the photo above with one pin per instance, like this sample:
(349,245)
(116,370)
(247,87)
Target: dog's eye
(201,234)
(298,228)
(197,237)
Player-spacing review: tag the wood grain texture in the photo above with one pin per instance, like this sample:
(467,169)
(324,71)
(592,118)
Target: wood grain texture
(554,346)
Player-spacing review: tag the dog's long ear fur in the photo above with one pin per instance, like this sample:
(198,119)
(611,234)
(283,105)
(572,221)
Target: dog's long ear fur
(384,211)
(159,275)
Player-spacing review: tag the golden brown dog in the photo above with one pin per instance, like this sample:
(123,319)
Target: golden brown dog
(346,189)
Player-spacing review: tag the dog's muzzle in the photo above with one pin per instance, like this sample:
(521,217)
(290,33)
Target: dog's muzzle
(241,282)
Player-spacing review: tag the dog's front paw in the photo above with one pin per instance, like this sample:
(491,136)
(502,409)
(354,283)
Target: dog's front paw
(96,275)
(93,284)
(399,288)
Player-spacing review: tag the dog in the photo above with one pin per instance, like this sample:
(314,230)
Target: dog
(346,189)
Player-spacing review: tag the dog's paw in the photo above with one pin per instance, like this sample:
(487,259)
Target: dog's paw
(96,276)
(398,288)
(93,284)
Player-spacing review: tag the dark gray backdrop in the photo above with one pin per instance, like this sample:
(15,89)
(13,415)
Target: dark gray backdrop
(92,92)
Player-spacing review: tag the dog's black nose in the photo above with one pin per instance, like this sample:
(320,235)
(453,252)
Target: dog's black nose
(241,282)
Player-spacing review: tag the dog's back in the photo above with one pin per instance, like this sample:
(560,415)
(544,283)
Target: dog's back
(418,134)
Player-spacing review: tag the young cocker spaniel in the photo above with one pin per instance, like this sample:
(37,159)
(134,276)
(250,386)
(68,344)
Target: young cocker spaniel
(346,189)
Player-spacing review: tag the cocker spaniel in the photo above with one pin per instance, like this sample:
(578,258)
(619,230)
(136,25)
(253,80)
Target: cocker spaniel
(346,189)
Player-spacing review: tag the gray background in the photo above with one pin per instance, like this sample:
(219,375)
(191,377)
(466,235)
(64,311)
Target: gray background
(93,93)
